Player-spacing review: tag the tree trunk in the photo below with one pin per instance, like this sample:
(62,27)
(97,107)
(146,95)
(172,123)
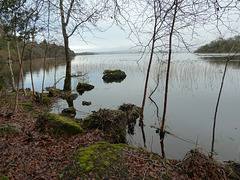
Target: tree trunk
(149,67)
(33,89)
(10,68)
(168,70)
(67,82)
(21,62)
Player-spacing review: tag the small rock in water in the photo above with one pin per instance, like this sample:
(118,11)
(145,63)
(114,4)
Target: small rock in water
(86,103)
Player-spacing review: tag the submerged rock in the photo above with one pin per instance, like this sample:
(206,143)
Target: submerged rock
(69,96)
(58,124)
(113,76)
(10,128)
(82,87)
(86,103)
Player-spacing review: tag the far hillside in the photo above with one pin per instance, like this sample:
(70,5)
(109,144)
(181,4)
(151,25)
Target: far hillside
(38,50)
(221,46)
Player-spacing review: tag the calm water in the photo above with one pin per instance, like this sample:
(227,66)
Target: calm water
(193,89)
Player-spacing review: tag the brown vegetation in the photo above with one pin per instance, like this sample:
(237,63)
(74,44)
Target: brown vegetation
(30,154)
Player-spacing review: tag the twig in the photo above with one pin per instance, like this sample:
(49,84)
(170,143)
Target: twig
(11,163)
(145,172)
(144,159)
(175,135)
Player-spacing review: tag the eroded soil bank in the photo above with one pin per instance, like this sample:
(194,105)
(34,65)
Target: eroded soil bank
(33,154)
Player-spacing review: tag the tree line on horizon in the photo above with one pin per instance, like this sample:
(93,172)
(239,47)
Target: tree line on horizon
(38,50)
(221,45)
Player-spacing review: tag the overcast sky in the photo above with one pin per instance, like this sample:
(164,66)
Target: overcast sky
(115,39)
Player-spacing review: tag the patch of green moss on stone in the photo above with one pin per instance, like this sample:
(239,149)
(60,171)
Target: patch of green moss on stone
(113,75)
(81,87)
(59,125)
(46,100)
(71,111)
(3,177)
(104,159)
(62,125)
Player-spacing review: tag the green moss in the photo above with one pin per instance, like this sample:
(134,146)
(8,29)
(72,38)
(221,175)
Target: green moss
(3,177)
(113,72)
(71,111)
(26,106)
(59,125)
(167,176)
(64,125)
(10,128)
(81,87)
(46,100)
(113,75)
(104,159)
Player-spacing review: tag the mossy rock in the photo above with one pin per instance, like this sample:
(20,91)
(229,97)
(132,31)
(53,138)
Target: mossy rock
(58,124)
(10,128)
(132,112)
(45,100)
(112,122)
(113,76)
(52,92)
(70,96)
(104,160)
(71,111)
(3,177)
(82,87)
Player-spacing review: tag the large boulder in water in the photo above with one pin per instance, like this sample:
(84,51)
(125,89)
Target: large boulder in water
(82,87)
(113,76)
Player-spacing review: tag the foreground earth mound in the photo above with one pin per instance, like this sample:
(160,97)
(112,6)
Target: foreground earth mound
(113,122)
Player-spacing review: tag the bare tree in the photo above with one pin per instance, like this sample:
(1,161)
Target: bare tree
(223,10)
(26,18)
(163,22)
(10,67)
(78,16)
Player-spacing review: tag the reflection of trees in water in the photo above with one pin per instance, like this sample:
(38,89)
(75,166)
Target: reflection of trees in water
(193,75)
(37,67)
(189,76)
(235,64)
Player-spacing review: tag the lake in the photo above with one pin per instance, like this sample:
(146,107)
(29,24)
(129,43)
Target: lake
(193,90)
